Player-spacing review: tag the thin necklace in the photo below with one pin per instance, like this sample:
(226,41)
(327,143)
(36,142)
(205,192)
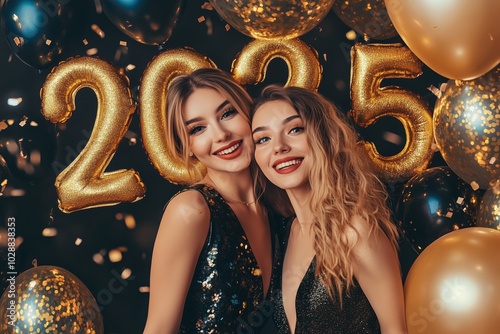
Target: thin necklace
(227,200)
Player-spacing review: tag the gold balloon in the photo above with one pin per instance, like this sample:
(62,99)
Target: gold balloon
(368,17)
(458,39)
(489,209)
(467,128)
(454,285)
(369,66)
(304,68)
(153,113)
(84,184)
(49,299)
(272,19)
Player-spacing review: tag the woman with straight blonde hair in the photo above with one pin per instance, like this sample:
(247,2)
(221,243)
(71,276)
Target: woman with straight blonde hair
(340,271)
(215,249)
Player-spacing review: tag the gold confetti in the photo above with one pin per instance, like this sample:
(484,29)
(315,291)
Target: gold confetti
(201,19)
(227,26)
(91,52)
(49,232)
(98,258)
(460,200)
(130,67)
(130,221)
(115,255)
(351,35)
(123,43)
(97,30)
(144,289)
(126,273)
(449,214)
(474,185)
(85,42)
(78,241)
(48,42)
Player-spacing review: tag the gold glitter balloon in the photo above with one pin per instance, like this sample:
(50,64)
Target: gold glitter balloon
(272,19)
(368,17)
(84,184)
(370,102)
(467,128)
(489,209)
(454,287)
(153,113)
(304,69)
(48,299)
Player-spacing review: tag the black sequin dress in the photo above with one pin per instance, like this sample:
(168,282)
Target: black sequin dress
(317,313)
(226,292)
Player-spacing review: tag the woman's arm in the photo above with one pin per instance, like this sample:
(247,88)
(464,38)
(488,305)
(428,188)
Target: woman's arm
(378,273)
(181,235)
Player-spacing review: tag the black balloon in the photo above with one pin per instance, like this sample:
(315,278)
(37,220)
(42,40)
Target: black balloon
(28,148)
(39,32)
(434,203)
(146,21)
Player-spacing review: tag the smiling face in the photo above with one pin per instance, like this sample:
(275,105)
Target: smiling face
(281,145)
(219,136)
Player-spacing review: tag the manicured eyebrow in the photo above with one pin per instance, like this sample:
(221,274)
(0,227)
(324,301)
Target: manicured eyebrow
(196,119)
(285,122)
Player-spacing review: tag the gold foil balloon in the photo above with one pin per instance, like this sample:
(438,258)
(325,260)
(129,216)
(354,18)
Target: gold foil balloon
(368,17)
(304,69)
(152,103)
(272,19)
(467,128)
(454,285)
(489,209)
(48,299)
(458,39)
(84,184)
(369,66)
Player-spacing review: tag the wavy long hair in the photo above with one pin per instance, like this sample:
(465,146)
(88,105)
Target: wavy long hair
(180,90)
(342,182)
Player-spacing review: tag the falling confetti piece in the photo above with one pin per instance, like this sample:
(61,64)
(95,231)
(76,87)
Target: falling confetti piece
(227,26)
(144,289)
(3,125)
(126,273)
(435,91)
(351,35)
(49,232)
(130,67)
(115,255)
(98,258)
(325,57)
(474,185)
(207,6)
(123,43)
(392,138)
(449,214)
(130,222)
(14,102)
(85,42)
(460,200)
(48,42)
(78,241)
(492,160)
(97,30)
(91,52)
(201,19)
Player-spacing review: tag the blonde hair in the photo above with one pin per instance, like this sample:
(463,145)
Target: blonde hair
(342,181)
(180,90)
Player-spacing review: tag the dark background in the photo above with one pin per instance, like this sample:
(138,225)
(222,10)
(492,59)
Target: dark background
(103,229)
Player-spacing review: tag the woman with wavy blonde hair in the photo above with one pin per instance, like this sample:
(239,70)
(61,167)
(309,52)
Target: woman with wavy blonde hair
(340,272)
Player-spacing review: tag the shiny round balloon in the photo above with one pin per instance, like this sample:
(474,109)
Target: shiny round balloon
(467,128)
(434,203)
(146,21)
(28,147)
(40,32)
(457,39)
(489,209)
(49,299)
(367,17)
(273,19)
(454,285)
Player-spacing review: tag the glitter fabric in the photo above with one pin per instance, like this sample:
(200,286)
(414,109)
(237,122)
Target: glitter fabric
(317,313)
(226,289)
